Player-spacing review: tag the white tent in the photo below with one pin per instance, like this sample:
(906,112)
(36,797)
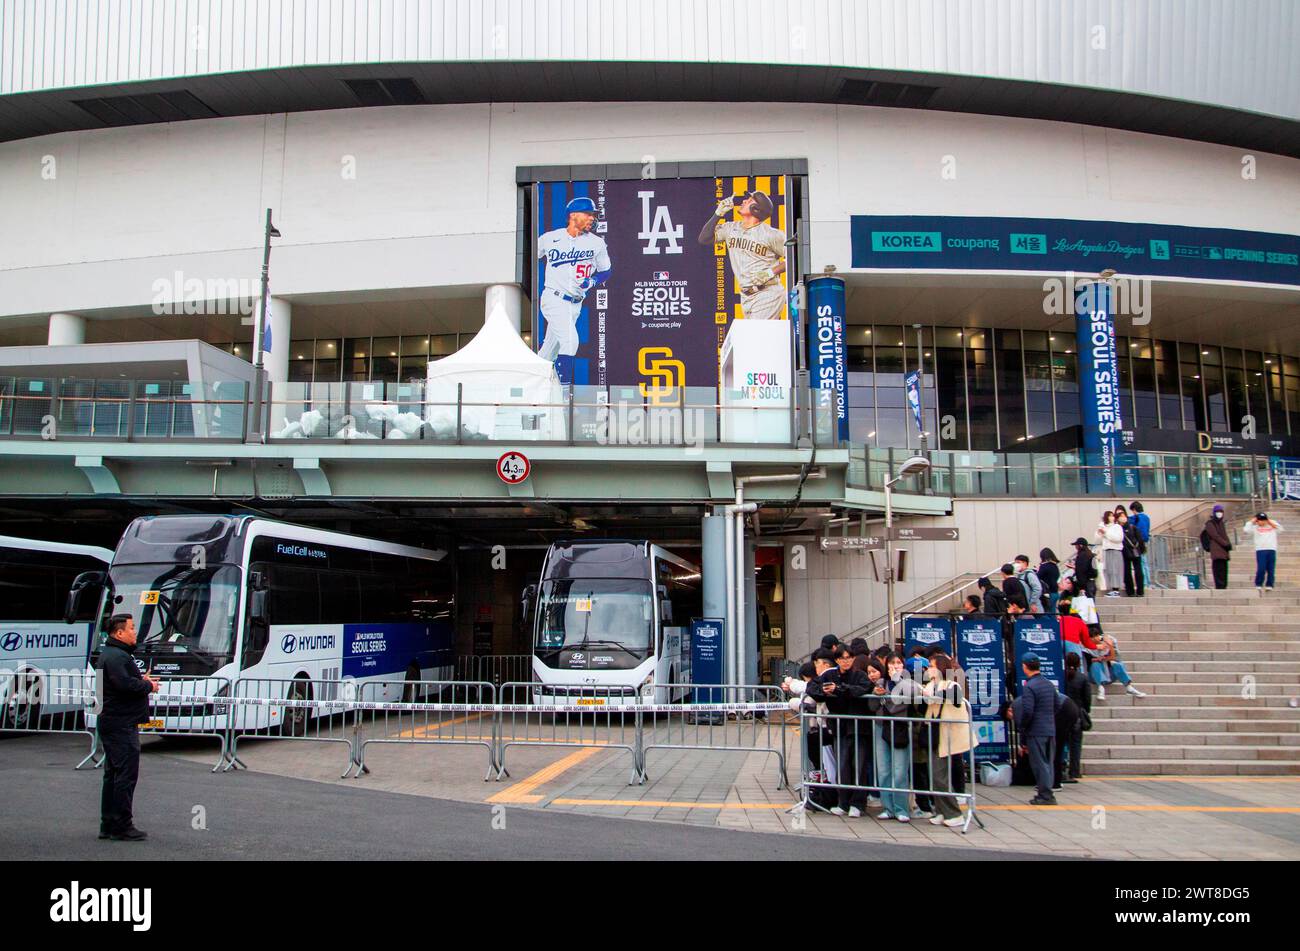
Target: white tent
(523,396)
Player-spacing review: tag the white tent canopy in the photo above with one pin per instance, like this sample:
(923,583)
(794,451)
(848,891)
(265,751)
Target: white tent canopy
(497,368)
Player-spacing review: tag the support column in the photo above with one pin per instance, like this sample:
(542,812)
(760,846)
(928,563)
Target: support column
(66,330)
(510,297)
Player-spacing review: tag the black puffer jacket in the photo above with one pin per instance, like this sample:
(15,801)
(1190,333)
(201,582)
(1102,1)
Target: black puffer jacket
(126,692)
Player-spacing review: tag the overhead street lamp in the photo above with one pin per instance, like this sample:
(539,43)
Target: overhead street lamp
(910,467)
(259,368)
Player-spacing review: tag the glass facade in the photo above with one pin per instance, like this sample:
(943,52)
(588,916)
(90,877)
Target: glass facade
(403,359)
(990,389)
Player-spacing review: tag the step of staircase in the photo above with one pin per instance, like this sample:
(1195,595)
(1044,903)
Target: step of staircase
(1189,651)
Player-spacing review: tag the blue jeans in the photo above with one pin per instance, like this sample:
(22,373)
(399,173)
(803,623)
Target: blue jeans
(892,769)
(1265,565)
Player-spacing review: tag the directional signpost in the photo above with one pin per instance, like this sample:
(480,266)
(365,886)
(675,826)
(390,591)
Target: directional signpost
(870,542)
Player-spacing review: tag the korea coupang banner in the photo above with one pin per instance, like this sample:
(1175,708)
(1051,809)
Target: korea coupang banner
(639,280)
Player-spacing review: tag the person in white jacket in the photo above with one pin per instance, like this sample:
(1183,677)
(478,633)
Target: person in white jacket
(1265,531)
(1111,536)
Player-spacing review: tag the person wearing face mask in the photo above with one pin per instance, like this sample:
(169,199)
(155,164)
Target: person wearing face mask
(1215,540)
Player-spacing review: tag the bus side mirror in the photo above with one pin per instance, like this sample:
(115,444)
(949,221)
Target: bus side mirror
(86,590)
(526,604)
(257,607)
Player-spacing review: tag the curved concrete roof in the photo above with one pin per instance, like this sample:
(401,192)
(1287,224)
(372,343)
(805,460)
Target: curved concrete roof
(1215,70)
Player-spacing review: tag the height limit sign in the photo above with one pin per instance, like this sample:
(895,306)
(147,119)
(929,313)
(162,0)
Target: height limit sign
(513,467)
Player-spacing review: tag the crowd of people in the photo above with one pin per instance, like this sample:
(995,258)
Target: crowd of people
(909,758)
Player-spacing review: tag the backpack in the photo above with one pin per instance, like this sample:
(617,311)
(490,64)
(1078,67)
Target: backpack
(1205,539)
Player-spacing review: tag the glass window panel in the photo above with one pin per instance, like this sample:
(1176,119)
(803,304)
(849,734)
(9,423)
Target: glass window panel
(1212,377)
(982,401)
(951,372)
(327,349)
(1144,390)
(415,346)
(1171,403)
(1193,397)
(1011,387)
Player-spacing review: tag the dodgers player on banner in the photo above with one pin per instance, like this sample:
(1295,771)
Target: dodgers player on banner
(576,261)
(755,250)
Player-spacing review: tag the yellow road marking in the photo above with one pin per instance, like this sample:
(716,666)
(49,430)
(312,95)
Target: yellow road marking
(522,791)
(430,727)
(1191,779)
(1145,807)
(669,804)
(1002,807)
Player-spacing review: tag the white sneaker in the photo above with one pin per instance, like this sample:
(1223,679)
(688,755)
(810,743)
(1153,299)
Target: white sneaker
(1134,691)
(855,812)
(903,817)
(921,814)
(836,811)
(1101,691)
(885,815)
(936,820)
(955,822)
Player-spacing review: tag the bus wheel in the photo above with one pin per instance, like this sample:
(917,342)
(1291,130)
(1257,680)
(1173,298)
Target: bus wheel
(409,688)
(295,718)
(24,711)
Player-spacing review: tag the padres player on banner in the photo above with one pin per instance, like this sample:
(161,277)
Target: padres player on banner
(576,261)
(755,250)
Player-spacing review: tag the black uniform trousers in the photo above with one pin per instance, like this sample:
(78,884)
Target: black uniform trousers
(121,770)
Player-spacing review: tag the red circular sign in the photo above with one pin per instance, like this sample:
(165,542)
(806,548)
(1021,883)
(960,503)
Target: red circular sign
(513,467)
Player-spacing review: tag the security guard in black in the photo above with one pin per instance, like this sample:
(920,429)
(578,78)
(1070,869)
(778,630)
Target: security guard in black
(125,706)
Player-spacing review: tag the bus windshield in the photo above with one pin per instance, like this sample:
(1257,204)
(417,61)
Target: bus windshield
(179,609)
(611,613)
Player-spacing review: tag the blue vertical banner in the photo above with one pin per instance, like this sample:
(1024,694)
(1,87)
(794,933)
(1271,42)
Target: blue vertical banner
(913,384)
(707,659)
(927,632)
(827,357)
(1100,403)
(982,660)
(1040,635)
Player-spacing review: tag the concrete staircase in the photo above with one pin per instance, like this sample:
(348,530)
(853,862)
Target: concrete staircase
(1222,674)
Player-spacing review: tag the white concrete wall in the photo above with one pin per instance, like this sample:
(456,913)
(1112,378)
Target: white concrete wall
(93,219)
(836,593)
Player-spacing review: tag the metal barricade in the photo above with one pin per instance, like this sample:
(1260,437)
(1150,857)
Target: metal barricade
(297,709)
(835,750)
(544,715)
(445,712)
(691,722)
(496,669)
(36,700)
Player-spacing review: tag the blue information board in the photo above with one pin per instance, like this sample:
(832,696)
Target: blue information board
(707,659)
(982,660)
(1040,634)
(946,242)
(927,632)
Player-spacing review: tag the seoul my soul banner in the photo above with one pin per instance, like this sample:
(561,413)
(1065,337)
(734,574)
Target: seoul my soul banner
(638,280)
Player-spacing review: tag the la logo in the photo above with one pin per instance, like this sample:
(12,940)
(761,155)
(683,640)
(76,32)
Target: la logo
(661,229)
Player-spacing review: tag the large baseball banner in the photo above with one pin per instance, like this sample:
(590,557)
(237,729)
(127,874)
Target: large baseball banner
(638,280)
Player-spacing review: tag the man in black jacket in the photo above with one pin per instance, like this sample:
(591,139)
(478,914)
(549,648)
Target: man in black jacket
(844,691)
(1034,711)
(125,706)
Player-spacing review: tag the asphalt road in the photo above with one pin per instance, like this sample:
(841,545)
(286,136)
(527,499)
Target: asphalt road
(51,812)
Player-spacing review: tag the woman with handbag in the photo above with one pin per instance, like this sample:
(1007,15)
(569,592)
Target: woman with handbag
(949,738)
(1079,690)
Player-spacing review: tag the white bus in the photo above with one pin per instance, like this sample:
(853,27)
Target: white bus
(35,640)
(239,597)
(612,623)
